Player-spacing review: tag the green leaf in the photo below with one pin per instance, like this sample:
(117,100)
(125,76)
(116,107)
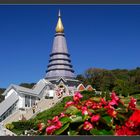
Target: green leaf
(101,110)
(101,132)
(107,120)
(72,110)
(96,99)
(65,120)
(85,117)
(72,132)
(121,117)
(121,110)
(92,111)
(62,129)
(75,118)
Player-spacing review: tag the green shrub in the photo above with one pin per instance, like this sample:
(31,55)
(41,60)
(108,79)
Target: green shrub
(87,94)
(23,125)
(9,126)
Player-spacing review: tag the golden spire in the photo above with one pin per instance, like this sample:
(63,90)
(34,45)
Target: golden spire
(59,27)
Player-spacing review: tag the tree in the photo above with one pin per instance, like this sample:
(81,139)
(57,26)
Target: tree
(27,85)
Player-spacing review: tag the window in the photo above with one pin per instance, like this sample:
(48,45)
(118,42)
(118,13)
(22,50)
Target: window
(27,101)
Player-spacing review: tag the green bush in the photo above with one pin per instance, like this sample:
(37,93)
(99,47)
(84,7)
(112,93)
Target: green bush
(23,125)
(9,126)
(50,113)
(87,94)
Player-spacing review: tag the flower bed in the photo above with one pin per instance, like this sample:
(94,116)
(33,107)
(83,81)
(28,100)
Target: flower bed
(95,116)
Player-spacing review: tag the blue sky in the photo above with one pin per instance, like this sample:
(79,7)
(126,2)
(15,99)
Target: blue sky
(102,36)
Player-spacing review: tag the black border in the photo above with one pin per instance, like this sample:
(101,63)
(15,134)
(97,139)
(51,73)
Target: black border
(69,1)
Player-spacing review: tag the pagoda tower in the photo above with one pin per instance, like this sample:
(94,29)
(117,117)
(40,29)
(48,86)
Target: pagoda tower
(60,67)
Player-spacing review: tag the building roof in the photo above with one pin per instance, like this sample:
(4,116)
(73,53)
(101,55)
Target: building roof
(6,104)
(35,91)
(66,81)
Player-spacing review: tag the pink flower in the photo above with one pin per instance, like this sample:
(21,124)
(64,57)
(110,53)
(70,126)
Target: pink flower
(113,102)
(95,118)
(55,119)
(62,115)
(55,124)
(114,96)
(132,103)
(50,129)
(77,96)
(58,125)
(69,104)
(84,110)
(87,126)
(49,121)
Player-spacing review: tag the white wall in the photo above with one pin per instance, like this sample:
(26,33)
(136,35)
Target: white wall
(51,93)
(21,102)
(10,92)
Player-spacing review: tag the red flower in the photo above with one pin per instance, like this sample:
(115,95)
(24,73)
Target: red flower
(55,119)
(96,106)
(41,126)
(87,126)
(69,104)
(132,103)
(103,102)
(50,129)
(95,118)
(58,125)
(77,97)
(89,103)
(129,124)
(135,118)
(124,131)
(111,112)
(114,96)
(84,110)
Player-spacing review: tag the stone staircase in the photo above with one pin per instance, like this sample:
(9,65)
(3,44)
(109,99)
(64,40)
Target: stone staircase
(42,105)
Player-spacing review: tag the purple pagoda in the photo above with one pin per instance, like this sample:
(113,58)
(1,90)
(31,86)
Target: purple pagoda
(60,68)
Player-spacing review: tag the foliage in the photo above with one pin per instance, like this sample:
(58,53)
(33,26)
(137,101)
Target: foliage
(87,94)
(9,126)
(94,116)
(23,125)
(124,82)
(50,113)
(1,96)
(27,85)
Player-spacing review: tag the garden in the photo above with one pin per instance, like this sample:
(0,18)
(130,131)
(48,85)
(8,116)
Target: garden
(85,114)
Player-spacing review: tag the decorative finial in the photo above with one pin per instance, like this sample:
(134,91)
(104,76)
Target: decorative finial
(59,27)
(59,13)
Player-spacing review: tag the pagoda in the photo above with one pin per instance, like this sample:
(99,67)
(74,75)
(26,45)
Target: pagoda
(60,69)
